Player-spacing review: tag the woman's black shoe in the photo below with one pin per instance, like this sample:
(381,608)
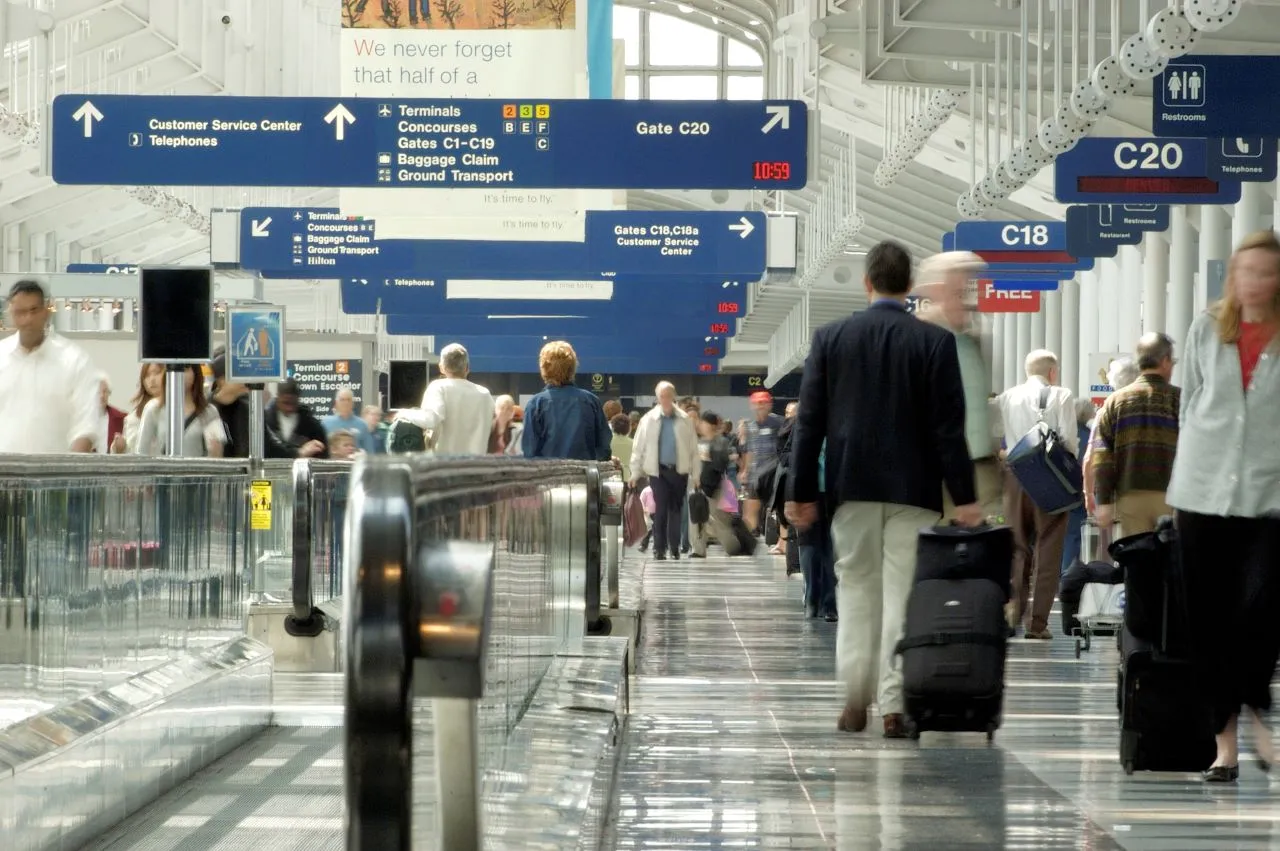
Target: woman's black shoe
(1222,774)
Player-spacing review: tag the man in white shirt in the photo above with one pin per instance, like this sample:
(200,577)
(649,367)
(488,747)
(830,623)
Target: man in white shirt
(458,413)
(1038,537)
(49,388)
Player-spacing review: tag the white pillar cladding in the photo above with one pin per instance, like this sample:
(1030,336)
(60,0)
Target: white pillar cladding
(1069,356)
(1250,211)
(1182,271)
(1107,279)
(1089,337)
(1051,314)
(1012,364)
(1155,281)
(1215,244)
(1129,317)
(1039,321)
(995,324)
(1024,336)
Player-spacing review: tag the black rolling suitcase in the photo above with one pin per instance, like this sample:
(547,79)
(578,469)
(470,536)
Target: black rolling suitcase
(955,635)
(1165,722)
(744,543)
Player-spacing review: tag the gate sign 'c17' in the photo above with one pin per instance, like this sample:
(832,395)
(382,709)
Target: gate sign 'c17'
(492,145)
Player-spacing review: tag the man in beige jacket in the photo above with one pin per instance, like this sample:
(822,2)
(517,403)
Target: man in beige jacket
(941,283)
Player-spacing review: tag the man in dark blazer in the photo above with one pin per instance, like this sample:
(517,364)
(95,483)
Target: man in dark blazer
(884,390)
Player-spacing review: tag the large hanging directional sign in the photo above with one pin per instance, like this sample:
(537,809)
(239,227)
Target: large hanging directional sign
(102,269)
(1098,230)
(1025,284)
(568,323)
(591,348)
(283,242)
(495,145)
(652,365)
(1100,170)
(615,301)
(1218,97)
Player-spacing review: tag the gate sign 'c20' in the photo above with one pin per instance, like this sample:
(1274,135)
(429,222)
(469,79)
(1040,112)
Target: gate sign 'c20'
(493,145)
(1102,170)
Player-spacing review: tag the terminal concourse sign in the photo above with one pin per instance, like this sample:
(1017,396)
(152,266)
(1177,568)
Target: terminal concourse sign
(492,145)
(1140,170)
(287,242)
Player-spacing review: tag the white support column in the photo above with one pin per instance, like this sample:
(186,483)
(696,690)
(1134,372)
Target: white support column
(1012,363)
(1155,281)
(1247,217)
(1051,310)
(1215,244)
(1107,279)
(1182,274)
(1039,322)
(998,330)
(1129,316)
(1089,337)
(1069,356)
(1024,335)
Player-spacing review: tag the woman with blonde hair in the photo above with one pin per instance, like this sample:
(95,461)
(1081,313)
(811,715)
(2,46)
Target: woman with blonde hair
(1225,489)
(564,421)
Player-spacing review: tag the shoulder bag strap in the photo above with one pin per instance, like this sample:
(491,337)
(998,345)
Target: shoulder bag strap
(1044,401)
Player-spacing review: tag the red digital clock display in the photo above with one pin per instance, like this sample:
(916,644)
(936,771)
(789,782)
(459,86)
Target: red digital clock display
(727,307)
(771,171)
(719,328)
(1147,185)
(705,367)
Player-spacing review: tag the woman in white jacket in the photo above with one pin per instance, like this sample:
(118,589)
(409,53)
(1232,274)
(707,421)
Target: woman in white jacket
(666,450)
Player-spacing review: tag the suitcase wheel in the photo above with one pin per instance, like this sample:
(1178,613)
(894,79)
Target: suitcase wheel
(1128,766)
(991,732)
(1079,647)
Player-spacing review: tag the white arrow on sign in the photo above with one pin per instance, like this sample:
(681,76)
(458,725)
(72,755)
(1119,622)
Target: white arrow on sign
(88,113)
(259,228)
(340,117)
(744,226)
(780,114)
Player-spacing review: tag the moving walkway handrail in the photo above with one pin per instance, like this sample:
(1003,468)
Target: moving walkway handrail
(306,620)
(418,603)
(92,464)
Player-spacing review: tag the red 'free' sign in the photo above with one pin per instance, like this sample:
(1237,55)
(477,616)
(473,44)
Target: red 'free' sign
(992,300)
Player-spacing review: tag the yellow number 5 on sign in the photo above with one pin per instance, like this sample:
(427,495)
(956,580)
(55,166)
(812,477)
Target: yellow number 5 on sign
(260,506)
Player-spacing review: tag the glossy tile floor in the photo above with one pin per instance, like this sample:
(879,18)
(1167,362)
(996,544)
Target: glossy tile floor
(732,743)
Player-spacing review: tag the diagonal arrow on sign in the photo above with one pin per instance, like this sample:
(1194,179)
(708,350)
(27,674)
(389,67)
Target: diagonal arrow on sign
(88,113)
(259,228)
(777,115)
(339,117)
(744,226)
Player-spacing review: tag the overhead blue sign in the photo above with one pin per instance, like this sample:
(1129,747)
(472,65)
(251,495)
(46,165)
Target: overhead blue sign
(1022,270)
(574,324)
(255,344)
(172,140)
(625,301)
(1025,284)
(653,365)
(591,348)
(1249,159)
(1217,97)
(283,242)
(101,269)
(1010,236)
(1100,170)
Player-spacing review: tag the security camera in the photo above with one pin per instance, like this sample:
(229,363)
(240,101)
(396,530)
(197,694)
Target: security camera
(226,20)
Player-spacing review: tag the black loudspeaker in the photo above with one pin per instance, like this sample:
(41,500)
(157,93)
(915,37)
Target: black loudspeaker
(175,314)
(406,382)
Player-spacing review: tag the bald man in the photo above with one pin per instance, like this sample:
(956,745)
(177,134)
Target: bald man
(344,418)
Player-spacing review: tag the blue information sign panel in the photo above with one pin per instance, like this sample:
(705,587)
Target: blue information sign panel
(1011,236)
(1100,170)
(1249,159)
(593,348)
(255,344)
(1021,265)
(1218,97)
(283,242)
(1024,285)
(493,145)
(102,269)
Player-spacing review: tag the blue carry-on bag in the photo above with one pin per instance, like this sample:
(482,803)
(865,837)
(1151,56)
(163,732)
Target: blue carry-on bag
(1046,468)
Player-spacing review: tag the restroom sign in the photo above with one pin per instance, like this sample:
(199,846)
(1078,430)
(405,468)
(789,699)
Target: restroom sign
(992,300)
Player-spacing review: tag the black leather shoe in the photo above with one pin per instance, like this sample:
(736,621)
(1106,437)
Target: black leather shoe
(1222,774)
(832,617)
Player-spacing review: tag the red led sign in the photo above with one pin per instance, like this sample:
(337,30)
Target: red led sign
(719,328)
(727,307)
(1135,186)
(706,367)
(771,170)
(1057,258)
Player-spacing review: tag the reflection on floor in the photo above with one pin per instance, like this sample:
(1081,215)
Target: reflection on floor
(732,744)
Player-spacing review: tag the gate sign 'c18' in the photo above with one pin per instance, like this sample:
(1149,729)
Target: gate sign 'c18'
(1011,236)
(1101,170)
(492,145)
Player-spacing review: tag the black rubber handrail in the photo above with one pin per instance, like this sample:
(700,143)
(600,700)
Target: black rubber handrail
(306,619)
